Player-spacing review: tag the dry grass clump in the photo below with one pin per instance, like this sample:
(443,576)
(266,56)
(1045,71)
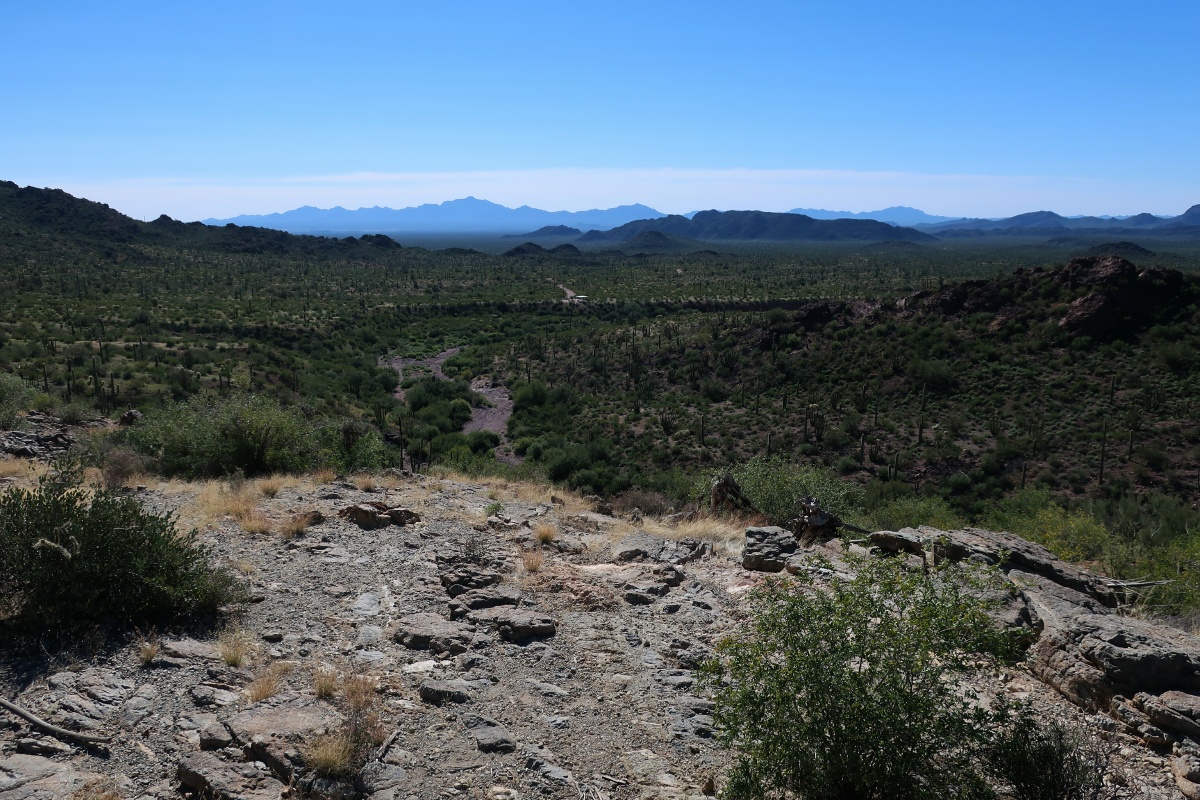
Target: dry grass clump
(544,534)
(332,754)
(236,646)
(270,487)
(325,682)
(323,475)
(343,751)
(292,527)
(255,522)
(245,567)
(122,465)
(97,789)
(148,648)
(649,503)
(725,533)
(268,683)
(21,470)
(531,560)
(365,483)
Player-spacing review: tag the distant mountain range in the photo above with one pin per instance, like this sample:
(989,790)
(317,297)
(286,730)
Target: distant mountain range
(1042,222)
(759,226)
(468,215)
(896,215)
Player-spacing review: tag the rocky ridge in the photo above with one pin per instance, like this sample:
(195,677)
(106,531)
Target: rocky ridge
(501,677)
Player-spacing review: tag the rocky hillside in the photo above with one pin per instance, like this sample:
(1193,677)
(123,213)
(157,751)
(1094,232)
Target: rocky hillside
(518,644)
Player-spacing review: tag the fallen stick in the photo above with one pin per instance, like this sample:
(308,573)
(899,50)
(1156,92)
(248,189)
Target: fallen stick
(53,730)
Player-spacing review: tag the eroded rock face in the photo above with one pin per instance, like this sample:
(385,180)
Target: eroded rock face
(432,632)
(767,549)
(212,777)
(273,730)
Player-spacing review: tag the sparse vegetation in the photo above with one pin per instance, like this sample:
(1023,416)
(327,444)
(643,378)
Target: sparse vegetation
(846,691)
(72,557)
(236,646)
(325,682)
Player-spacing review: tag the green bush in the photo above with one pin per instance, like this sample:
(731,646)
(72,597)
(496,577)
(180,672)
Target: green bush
(914,511)
(846,691)
(352,445)
(15,397)
(1035,760)
(251,434)
(72,558)
(776,488)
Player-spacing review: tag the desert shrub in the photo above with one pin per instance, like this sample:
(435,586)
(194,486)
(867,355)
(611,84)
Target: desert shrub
(845,691)
(776,488)
(1073,535)
(652,503)
(1035,760)
(120,465)
(15,397)
(252,434)
(914,511)
(351,445)
(70,558)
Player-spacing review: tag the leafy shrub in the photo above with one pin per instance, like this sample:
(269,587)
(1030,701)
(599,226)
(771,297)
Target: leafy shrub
(845,692)
(70,558)
(914,511)
(351,445)
(1073,535)
(252,434)
(776,487)
(15,397)
(1036,760)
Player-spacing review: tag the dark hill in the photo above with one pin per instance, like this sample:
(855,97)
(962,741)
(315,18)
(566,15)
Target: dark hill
(763,226)
(547,232)
(1122,249)
(649,242)
(565,250)
(1104,297)
(57,219)
(527,249)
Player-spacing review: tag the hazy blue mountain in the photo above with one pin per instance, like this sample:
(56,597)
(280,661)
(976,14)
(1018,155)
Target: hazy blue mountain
(1048,221)
(468,215)
(759,226)
(896,215)
(548,232)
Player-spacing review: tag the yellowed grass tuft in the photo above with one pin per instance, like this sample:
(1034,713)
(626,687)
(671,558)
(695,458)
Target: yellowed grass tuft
(544,534)
(323,475)
(255,522)
(148,648)
(325,682)
(332,754)
(531,560)
(268,683)
(97,789)
(236,646)
(23,473)
(292,527)
(270,487)
(245,567)
(365,483)
(726,534)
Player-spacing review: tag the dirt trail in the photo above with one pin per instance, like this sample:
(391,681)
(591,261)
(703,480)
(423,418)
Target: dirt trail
(492,418)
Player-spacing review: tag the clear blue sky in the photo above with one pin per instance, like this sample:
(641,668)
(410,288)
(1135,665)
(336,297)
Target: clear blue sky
(211,109)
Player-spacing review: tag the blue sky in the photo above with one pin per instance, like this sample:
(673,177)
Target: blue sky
(217,108)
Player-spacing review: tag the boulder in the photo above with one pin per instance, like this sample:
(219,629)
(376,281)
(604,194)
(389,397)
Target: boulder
(209,776)
(643,546)
(274,730)
(490,736)
(436,692)
(487,597)
(515,624)
(767,549)
(432,632)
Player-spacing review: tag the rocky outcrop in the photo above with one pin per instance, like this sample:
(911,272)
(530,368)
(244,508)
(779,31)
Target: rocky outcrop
(767,549)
